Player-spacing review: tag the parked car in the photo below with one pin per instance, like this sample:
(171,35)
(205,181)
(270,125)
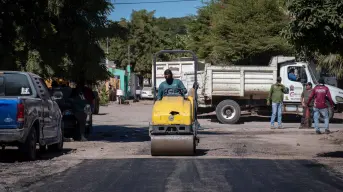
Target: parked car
(69,120)
(28,114)
(147,93)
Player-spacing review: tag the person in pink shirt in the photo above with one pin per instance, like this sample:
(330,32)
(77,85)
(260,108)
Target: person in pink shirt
(320,93)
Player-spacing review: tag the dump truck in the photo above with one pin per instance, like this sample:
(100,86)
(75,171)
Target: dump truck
(231,89)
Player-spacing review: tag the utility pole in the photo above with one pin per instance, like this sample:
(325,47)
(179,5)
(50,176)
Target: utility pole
(132,76)
(128,54)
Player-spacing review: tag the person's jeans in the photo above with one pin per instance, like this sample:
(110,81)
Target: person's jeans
(276,109)
(325,113)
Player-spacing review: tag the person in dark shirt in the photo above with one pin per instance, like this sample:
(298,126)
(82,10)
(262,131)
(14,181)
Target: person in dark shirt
(79,103)
(320,93)
(306,119)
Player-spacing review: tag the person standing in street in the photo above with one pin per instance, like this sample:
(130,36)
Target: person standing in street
(306,120)
(276,94)
(79,103)
(320,93)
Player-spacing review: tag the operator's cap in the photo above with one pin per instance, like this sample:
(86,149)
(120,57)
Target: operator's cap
(168,72)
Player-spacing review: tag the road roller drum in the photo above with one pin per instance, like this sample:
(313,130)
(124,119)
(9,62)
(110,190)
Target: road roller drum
(172,145)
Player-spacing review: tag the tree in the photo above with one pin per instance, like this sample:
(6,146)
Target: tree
(54,37)
(239,32)
(316,32)
(146,35)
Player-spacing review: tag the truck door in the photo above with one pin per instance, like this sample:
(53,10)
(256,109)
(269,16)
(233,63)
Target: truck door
(49,113)
(296,87)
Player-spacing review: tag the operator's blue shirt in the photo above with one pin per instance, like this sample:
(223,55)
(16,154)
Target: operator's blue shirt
(292,76)
(174,84)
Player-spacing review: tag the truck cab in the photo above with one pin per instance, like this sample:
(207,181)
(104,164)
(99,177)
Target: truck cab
(304,73)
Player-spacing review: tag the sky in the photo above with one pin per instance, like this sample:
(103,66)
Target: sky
(164,9)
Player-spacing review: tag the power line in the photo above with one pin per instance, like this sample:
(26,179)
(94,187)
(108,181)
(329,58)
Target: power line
(153,2)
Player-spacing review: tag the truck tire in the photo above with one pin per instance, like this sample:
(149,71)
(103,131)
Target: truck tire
(228,112)
(28,149)
(58,147)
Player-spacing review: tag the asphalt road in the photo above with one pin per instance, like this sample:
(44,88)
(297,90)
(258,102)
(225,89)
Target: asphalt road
(117,158)
(153,174)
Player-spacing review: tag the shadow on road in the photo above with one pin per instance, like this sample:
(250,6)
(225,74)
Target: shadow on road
(201,152)
(286,118)
(100,114)
(13,155)
(119,133)
(335,154)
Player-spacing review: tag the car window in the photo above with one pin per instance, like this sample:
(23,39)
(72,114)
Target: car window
(15,84)
(45,87)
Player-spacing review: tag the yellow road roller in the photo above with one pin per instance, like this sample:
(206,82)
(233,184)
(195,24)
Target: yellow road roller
(173,127)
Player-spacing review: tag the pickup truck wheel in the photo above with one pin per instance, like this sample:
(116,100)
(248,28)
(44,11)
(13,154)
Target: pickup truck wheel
(228,112)
(28,149)
(58,147)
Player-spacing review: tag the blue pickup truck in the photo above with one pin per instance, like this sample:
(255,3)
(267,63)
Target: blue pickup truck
(28,114)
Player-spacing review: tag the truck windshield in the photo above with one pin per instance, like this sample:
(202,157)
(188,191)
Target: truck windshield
(14,84)
(312,75)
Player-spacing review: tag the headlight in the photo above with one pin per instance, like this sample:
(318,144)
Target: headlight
(339,99)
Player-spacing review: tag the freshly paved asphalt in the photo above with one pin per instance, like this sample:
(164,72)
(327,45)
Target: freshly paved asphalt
(200,175)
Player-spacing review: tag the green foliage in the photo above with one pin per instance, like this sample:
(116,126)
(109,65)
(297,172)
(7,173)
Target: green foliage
(239,31)
(145,36)
(223,32)
(104,95)
(54,37)
(316,31)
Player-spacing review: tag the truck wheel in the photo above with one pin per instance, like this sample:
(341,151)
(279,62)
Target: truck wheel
(28,149)
(58,147)
(228,112)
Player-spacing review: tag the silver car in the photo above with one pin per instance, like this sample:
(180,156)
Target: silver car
(147,93)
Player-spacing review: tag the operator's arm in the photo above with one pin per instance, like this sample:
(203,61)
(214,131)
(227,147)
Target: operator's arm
(328,94)
(182,87)
(302,98)
(160,91)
